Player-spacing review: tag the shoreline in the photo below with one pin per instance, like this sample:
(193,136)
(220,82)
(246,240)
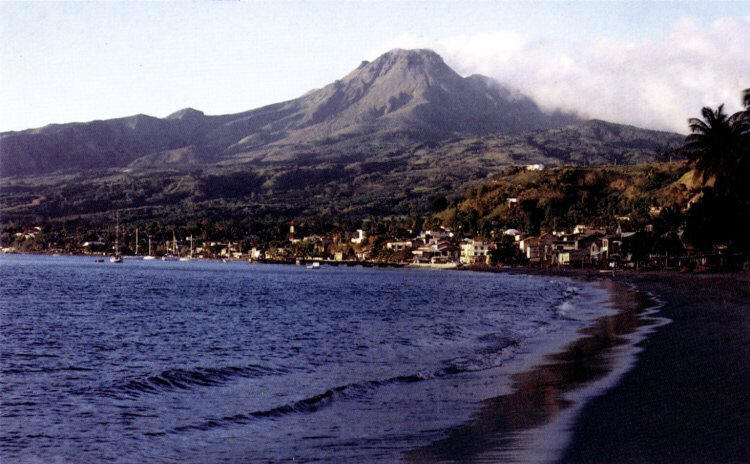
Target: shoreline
(579,273)
(687,397)
(299,262)
(680,393)
(531,423)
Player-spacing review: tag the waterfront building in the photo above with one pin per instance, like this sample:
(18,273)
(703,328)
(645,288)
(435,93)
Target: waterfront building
(360,238)
(474,252)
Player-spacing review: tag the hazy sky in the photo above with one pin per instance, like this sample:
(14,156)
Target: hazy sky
(643,63)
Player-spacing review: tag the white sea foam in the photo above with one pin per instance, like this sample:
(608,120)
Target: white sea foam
(546,444)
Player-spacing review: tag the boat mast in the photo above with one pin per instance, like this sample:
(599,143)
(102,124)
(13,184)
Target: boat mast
(136,241)
(149,246)
(117,235)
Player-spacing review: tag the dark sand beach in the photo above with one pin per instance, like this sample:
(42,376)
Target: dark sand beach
(679,394)
(507,428)
(687,399)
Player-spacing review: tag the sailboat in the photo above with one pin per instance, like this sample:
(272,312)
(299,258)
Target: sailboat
(173,253)
(149,256)
(116,258)
(136,244)
(190,256)
(229,253)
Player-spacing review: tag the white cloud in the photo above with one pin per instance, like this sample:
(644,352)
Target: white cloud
(656,82)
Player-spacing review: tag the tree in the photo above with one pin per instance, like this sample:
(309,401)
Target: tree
(506,251)
(742,120)
(468,221)
(713,145)
(720,147)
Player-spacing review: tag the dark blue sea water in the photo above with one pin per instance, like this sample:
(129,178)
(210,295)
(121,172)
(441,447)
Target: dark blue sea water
(201,362)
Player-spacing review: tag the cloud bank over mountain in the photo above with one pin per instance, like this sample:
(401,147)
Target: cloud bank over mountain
(656,82)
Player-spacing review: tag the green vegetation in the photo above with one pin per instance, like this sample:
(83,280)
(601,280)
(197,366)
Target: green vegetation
(356,178)
(719,146)
(705,201)
(560,198)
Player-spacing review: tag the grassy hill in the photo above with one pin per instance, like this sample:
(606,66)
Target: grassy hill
(357,179)
(560,198)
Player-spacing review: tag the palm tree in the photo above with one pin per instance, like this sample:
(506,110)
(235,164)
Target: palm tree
(742,118)
(713,145)
(742,121)
(720,147)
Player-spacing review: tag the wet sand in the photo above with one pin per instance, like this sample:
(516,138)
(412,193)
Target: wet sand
(637,387)
(507,427)
(687,399)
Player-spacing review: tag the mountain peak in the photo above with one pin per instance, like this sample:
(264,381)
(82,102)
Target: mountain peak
(416,58)
(186,113)
(398,74)
(411,53)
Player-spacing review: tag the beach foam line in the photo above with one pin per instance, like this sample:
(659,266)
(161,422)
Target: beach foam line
(550,441)
(533,423)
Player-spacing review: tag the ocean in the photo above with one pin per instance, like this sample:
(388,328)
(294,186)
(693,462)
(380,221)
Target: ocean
(204,361)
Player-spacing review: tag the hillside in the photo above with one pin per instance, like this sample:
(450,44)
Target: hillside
(396,181)
(560,198)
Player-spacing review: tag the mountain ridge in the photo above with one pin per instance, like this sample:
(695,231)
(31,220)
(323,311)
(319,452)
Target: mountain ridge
(409,92)
(400,99)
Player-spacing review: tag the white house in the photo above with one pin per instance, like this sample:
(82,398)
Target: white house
(537,248)
(361,236)
(438,234)
(535,167)
(513,233)
(399,246)
(434,252)
(474,252)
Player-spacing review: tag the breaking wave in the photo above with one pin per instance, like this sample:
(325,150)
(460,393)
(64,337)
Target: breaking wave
(186,379)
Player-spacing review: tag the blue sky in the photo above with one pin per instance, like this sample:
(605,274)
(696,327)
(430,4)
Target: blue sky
(62,62)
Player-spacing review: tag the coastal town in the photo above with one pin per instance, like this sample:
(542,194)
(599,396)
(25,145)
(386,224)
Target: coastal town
(688,214)
(622,246)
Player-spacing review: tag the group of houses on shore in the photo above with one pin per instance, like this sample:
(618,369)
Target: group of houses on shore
(436,247)
(583,246)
